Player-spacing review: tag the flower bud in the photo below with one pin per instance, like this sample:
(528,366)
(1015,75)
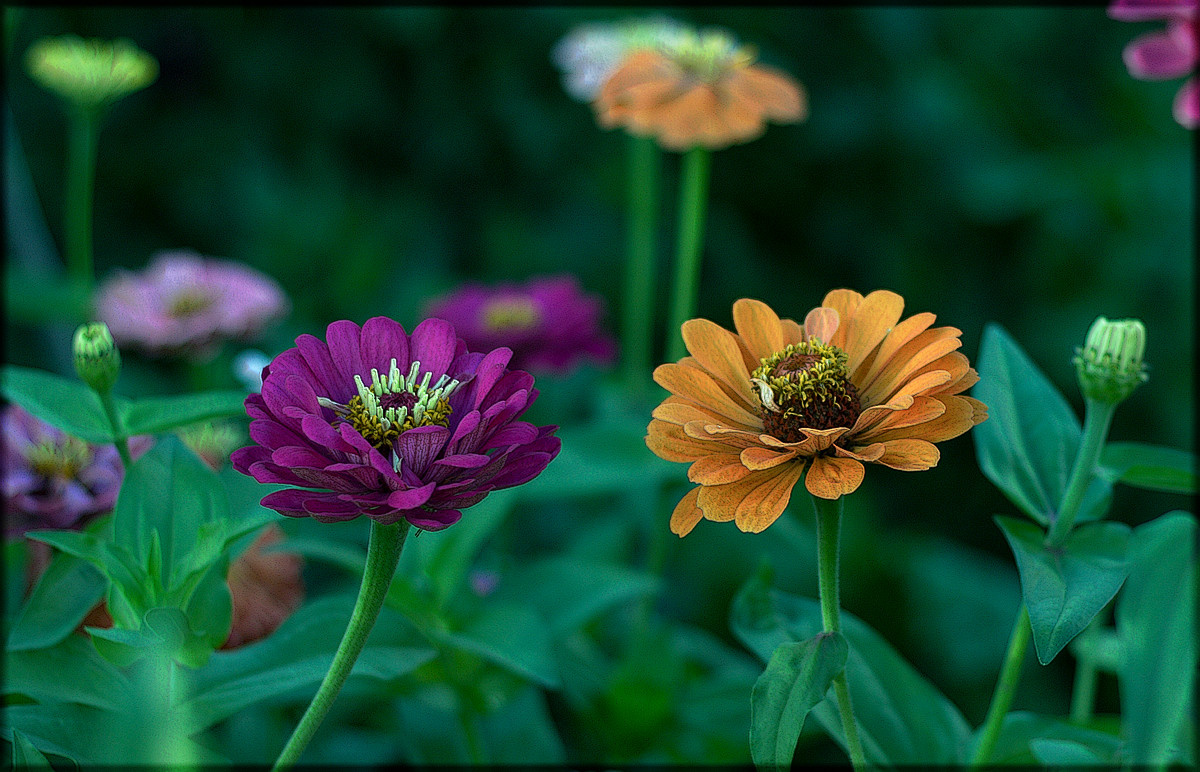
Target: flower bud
(97,359)
(90,73)
(1110,364)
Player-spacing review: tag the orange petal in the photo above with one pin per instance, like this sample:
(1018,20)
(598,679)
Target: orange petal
(815,440)
(910,455)
(844,301)
(831,476)
(821,324)
(872,321)
(717,469)
(758,457)
(726,436)
(776,95)
(720,502)
(792,333)
(954,420)
(922,410)
(676,410)
(758,326)
(686,514)
(699,387)
(901,334)
(913,356)
(870,452)
(979,410)
(717,351)
(764,504)
(667,441)
(925,384)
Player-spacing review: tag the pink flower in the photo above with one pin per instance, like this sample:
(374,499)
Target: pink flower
(1165,54)
(187,304)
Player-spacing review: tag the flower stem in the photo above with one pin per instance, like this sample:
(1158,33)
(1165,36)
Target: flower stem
(1006,688)
(692,204)
(80,188)
(1097,417)
(383,554)
(1083,693)
(640,263)
(829,517)
(120,439)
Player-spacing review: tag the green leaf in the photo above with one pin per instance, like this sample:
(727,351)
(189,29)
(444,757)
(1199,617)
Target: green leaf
(67,404)
(1156,617)
(1053,752)
(155,415)
(70,671)
(598,459)
(1153,467)
(797,677)
(1065,588)
(515,637)
(1026,738)
(85,546)
(521,732)
(25,753)
(902,717)
(62,597)
(210,609)
(1028,444)
(448,554)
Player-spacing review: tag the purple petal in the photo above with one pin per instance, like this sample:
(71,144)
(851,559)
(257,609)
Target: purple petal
(433,521)
(411,498)
(419,447)
(1161,55)
(463,461)
(344,339)
(383,339)
(433,345)
(1187,105)
(335,385)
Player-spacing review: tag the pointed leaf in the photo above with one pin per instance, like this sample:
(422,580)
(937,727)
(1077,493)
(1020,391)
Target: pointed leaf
(65,403)
(64,594)
(1065,588)
(511,636)
(25,753)
(70,671)
(1152,467)
(1156,618)
(1028,444)
(796,678)
(155,415)
(1026,737)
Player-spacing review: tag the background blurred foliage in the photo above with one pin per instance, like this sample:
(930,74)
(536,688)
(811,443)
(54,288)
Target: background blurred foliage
(989,164)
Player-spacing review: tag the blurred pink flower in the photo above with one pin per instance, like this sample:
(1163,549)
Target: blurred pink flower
(1165,54)
(549,322)
(187,304)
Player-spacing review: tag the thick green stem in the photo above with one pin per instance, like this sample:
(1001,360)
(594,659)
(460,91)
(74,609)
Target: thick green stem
(638,322)
(1083,691)
(383,554)
(120,438)
(80,187)
(1006,688)
(829,519)
(1097,417)
(693,200)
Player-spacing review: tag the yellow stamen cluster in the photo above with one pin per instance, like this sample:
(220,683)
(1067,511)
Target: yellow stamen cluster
(503,314)
(806,385)
(188,302)
(59,459)
(707,55)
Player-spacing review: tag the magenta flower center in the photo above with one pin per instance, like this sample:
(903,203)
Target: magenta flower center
(395,403)
(511,314)
(59,459)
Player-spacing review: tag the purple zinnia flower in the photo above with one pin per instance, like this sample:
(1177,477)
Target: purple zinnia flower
(548,322)
(391,426)
(1166,54)
(54,480)
(184,303)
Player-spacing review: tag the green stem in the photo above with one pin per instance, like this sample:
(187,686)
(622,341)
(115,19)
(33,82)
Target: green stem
(1097,417)
(829,518)
(120,439)
(383,554)
(80,188)
(692,204)
(1083,694)
(638,320)
(471,735)
(1006,688)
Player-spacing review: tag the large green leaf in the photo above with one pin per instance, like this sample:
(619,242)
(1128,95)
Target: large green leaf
(447,555)
(67,404)
(25,754)
(513,636)
(1030,739)
(154,415)
(62,597)
(902,718)
(797,676)
(1028,444)
(70,671)
(1065,588)
(1156,619)
(598,459)
(522,732)
(1153,467)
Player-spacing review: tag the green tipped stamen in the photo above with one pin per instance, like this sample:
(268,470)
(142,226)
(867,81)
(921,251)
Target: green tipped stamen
(805,386)
(62,459)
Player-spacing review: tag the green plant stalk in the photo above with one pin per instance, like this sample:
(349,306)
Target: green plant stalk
(638,318)
(1006,688)
(1083,694)
(1097,417)
(383,554)
(693,200)
(829,518)
(120,438)
(83,128)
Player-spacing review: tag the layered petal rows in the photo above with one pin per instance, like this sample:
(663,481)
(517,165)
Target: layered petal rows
(425,475)
(908,375)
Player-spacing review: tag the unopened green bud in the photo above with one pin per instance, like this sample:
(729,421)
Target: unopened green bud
(1110,363)
(90,73)
(97,359)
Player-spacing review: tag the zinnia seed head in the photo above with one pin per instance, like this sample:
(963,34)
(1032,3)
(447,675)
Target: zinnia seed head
(805,386)
(1110,364)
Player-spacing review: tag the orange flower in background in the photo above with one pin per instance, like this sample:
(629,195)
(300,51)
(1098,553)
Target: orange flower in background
(698,90)
(854,384)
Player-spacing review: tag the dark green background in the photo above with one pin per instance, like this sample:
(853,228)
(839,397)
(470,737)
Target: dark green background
(991,164)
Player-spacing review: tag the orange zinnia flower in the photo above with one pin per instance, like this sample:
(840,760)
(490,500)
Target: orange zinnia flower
(752,411)
(697,91)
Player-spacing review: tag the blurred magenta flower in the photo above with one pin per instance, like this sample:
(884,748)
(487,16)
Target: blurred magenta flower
(1165,54)
(54,480)
(185,304)
(391,426)
(549,322)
